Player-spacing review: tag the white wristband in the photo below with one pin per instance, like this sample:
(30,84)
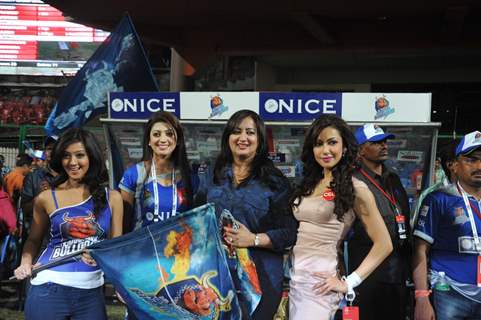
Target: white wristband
(352,281)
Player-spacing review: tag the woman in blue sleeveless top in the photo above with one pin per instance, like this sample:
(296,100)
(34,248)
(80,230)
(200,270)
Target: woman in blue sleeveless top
(80,211)
(161,185)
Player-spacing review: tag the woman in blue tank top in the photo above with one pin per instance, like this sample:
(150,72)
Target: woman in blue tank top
(80,211)
(161,185)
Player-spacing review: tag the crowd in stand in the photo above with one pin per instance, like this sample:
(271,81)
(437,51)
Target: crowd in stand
(32,110)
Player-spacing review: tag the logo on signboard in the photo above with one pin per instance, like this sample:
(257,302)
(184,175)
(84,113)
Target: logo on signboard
(117,105)
(382,108)
(217,106)
(271,105)
(140,105)
(298,106)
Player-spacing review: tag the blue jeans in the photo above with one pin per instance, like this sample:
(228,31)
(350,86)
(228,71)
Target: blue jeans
(451,305)
(56,302)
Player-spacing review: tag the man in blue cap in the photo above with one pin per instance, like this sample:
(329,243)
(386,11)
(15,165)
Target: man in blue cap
(383,295)
(36,182)
(447,234)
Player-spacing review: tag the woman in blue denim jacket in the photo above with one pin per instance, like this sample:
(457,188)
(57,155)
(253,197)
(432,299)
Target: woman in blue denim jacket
(245,182)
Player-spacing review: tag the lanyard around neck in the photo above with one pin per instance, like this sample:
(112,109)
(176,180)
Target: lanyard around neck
(469,208)
(387,195)
(156,193)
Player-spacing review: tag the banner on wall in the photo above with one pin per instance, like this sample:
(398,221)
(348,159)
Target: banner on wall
(389,107)
(275,106)
(140,105)
(216,105)
(288,106)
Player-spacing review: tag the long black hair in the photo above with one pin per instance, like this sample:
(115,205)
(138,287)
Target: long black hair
(96,178)
(341,183)
(262,168)
(178,156)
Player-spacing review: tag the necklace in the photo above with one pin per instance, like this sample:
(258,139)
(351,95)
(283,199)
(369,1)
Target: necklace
(238,177)
(164,175)
(321,187)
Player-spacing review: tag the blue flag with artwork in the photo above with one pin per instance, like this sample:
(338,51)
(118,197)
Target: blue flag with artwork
(176,269)
(119,64)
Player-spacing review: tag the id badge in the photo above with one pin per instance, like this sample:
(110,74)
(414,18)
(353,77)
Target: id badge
(350,313)
(400,218)
(401,226)
(479,271)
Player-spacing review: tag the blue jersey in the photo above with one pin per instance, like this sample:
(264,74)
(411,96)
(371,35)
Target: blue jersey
(134,181)
(444,223)
(72,229)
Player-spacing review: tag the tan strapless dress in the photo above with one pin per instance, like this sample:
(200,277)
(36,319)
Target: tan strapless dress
(318,239)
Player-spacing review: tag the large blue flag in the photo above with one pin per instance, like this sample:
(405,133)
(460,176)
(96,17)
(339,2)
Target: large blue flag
(119,64)
(172,270)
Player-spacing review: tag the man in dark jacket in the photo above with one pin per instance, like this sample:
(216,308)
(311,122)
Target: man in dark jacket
(383,295)
(35,182)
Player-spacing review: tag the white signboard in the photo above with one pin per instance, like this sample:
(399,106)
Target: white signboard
(216,105)
(388,107)
(301,107)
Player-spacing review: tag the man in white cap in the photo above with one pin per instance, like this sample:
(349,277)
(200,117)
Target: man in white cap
(383,295)
(36,182)
(447,235)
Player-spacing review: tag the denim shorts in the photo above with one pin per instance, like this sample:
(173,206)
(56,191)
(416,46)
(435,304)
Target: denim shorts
(55,302)
(451,305)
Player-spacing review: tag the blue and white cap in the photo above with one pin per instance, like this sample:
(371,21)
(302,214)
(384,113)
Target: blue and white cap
(38,154)
(371,132)
(469,143)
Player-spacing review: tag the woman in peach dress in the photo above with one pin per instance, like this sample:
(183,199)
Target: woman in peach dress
(326,203)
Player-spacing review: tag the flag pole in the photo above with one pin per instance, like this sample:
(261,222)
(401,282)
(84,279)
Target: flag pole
(142,49)
(54,263)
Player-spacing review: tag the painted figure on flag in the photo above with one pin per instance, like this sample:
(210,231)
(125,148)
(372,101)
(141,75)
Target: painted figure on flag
(241,263)
(176,269)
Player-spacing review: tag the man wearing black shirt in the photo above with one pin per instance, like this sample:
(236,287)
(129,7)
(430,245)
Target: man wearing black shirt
(383,295)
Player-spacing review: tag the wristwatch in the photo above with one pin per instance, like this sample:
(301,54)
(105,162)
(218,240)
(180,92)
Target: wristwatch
(257,241)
